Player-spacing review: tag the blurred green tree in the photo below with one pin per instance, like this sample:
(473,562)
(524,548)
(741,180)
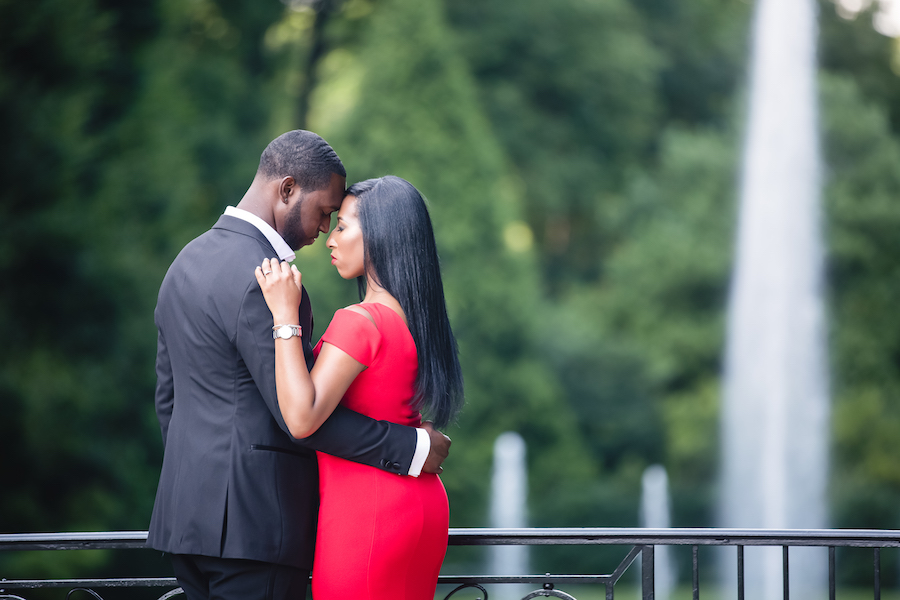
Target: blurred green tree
(864,285)
(579,158)
(664,297)
(570,87)
(129,127)
(852,48)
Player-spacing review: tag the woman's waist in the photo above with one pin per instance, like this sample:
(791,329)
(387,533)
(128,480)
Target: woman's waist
(401,415)
(334,468)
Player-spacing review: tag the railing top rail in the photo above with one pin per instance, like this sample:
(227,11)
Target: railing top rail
(678,536)
(86,540)
(527,536)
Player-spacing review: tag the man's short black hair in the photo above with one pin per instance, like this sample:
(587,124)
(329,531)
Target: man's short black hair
(304,156)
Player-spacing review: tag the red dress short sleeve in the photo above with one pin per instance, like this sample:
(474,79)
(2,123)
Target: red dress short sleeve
(354,334)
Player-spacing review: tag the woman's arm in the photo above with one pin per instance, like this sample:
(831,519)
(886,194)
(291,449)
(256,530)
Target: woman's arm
(305,400)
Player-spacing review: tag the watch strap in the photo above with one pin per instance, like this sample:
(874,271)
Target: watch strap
(295,330)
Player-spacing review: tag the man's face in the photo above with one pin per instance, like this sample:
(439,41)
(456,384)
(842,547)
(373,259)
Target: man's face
(310,213)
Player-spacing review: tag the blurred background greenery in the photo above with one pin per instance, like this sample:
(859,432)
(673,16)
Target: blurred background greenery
(580,159)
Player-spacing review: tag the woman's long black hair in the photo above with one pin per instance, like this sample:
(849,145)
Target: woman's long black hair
(401,256)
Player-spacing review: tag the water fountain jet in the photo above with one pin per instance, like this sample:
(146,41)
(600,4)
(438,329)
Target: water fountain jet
(656,514)
(775,412)
(509,491)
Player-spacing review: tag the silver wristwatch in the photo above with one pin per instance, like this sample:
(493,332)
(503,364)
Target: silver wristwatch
(286,331)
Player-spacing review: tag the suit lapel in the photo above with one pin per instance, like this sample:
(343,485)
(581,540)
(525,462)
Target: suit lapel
(242,227)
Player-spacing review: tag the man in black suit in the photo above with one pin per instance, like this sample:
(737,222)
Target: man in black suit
(237,498)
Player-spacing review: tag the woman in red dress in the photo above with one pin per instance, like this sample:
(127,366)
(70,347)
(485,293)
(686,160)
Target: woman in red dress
(391,357)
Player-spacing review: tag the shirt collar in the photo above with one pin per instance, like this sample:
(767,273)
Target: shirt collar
(281,247)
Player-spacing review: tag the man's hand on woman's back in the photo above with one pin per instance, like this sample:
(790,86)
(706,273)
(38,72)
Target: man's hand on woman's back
(440,448)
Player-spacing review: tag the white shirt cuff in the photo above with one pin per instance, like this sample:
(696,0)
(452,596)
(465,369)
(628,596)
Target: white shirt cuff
(423,447)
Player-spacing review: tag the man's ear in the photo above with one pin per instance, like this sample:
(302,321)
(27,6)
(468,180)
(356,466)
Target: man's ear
(286,187)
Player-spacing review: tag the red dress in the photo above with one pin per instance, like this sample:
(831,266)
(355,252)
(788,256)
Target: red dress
(380,535)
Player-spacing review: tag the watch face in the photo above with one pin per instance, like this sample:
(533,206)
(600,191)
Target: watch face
(287,331)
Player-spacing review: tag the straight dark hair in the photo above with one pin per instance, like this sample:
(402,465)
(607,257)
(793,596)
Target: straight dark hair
(401,256)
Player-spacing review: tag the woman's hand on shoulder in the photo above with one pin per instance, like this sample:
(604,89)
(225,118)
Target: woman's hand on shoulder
(280,284)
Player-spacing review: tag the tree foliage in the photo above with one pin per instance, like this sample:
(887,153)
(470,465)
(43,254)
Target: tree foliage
(579,159)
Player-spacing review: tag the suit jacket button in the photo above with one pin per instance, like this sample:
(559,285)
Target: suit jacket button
(385,463)
(396,466)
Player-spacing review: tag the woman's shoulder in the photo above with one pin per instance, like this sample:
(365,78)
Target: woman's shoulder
(360,310)
(378,317)
(385,309)
(356,319)
(354,332)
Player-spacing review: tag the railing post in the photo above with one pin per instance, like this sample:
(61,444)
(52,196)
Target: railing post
(787,573)
(832,578)
(647,573)
(695,572)
(877,574)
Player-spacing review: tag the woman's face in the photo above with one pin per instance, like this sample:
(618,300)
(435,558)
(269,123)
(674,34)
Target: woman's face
(346,241)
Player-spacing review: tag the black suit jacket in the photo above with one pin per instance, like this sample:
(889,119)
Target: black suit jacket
(234,483)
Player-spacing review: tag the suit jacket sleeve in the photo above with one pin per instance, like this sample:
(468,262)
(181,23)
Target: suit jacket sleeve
(346,434)
(165,389)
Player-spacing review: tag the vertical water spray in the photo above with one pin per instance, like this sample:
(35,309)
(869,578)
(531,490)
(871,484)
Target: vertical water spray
(509,490)
(775,413)
(656,514)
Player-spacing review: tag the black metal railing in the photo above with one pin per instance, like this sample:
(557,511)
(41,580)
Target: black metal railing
(642,544)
